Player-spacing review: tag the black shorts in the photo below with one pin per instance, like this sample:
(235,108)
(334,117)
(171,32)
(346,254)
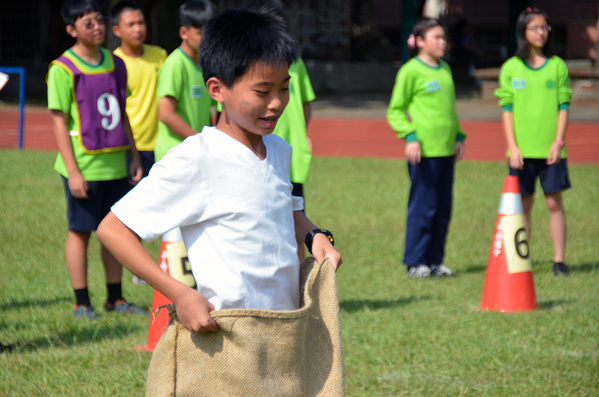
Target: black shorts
(554,178)
(298,191)
(85,215)
(147,161)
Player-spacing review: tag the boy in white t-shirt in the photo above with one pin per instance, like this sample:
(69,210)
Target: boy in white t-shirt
(227,188)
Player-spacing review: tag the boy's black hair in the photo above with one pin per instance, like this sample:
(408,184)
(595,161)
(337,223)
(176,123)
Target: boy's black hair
(523,48)
(237,39)
(72,10)
(196,13)
(120,7)
(423,25)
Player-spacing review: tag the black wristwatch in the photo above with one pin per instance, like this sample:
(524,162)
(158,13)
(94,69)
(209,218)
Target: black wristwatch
(310,238)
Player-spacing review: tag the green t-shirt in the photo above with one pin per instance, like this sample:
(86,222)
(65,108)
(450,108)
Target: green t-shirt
(535,96)
(427,94)
(93,167)
(180,78)
(291,126)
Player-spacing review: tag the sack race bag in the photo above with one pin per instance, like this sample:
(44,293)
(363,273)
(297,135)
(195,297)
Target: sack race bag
(258,352)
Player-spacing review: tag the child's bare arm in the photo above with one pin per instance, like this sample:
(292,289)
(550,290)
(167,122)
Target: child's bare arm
(459,150)
(77,184)
(516,160)
(307,117)
(307,113)
(168,115)
(135,170)
(555,151)
(193,309)
(321,246)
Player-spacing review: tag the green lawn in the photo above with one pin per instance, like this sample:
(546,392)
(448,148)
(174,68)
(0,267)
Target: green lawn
(401,337)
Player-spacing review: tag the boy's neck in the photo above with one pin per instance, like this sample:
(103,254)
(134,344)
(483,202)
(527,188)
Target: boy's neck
(428,59)
(89,53)
(191,52)
(252,141)
(132,51)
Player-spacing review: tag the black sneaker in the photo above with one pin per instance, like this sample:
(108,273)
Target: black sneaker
(560,268)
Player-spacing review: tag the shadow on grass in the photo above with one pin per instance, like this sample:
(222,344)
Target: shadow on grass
(584,268)
(34,303)
(537,264)
(358,305)
(78,337)
(550,305)
(475,269)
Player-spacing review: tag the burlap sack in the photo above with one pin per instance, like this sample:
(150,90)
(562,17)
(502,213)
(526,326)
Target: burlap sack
(258,352)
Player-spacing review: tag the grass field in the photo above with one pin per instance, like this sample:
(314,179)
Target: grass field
(401,337)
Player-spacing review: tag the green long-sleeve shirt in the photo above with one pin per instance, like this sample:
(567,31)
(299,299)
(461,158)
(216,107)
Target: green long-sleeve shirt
(535,96)
(427,94)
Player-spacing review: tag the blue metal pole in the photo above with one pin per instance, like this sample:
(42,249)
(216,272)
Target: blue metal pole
(21,72)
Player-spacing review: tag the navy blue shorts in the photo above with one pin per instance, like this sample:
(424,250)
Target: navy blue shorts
(554,178)
(85,215)
(147,161)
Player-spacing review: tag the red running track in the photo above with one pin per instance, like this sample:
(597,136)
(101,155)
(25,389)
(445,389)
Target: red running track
(485,140)
(355,137)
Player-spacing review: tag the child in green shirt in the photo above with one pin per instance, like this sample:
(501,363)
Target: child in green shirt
(87,89)
(184,104)
(424,89)
(535,95)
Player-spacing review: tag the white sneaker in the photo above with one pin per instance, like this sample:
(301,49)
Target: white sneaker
(440,271)
(419,271)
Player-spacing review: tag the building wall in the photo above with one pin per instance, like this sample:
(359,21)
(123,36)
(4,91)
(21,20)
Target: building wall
(574,21)
(322,27)
(365,31)
(32,32)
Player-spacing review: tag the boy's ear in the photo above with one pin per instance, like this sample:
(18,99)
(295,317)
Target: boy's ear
(71,31)
(183,33)
(115,31)
(215,89)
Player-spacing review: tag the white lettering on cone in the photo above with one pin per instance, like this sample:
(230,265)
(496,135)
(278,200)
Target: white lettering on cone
(497,242)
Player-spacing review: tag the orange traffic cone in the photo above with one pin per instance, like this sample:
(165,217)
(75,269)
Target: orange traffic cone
(173,261)
(509,286)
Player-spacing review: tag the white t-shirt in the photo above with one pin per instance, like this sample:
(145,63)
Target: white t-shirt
(236,217)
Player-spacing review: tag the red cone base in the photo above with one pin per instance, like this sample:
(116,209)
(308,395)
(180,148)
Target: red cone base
(507,292)
(158,322)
